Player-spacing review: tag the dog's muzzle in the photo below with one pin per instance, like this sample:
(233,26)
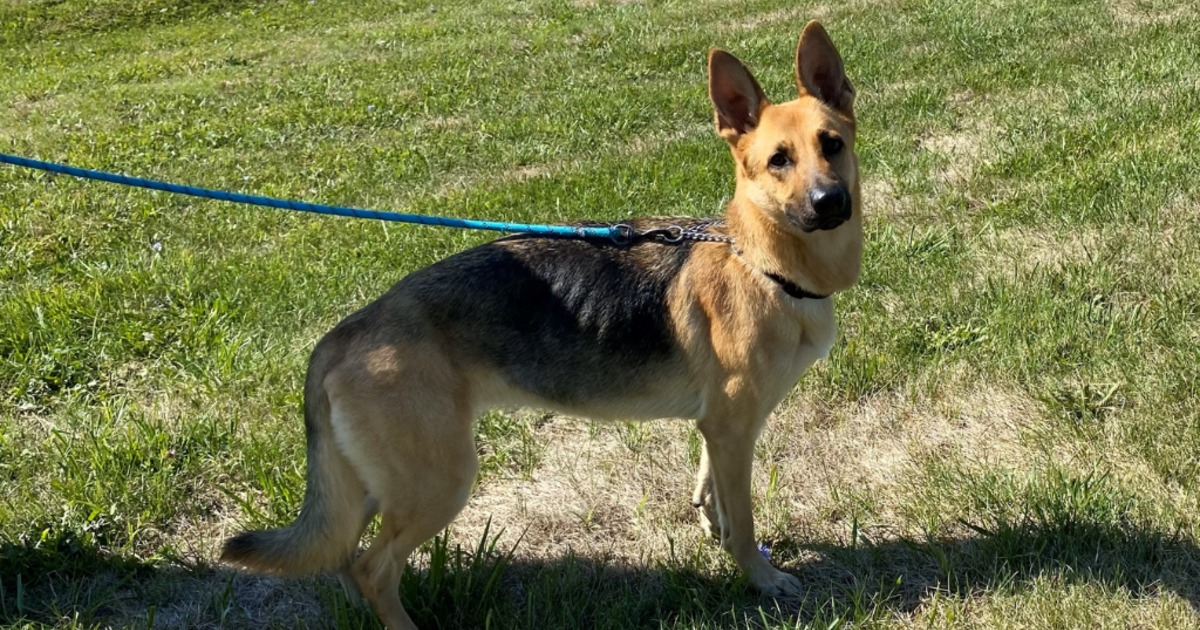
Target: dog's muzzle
(827,208)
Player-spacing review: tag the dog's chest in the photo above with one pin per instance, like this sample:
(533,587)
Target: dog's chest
(810,337)
(819,327)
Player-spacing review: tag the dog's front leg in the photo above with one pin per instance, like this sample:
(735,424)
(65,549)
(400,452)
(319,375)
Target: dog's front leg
(729,445)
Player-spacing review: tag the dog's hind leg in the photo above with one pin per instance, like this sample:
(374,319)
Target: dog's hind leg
(379,570)
(418,499)
(344,576)
(705,499)
(408,434)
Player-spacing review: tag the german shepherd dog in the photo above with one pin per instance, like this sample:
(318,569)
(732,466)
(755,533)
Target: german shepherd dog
(717,332)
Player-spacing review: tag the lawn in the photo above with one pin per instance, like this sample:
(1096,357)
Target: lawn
(1005,436)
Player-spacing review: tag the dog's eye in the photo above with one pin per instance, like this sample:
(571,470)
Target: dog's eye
(831,145)
(780,159)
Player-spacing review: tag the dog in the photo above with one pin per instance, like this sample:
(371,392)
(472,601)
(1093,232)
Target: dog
(717,330)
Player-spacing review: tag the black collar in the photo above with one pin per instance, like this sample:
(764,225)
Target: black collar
(789,287)
(793,289)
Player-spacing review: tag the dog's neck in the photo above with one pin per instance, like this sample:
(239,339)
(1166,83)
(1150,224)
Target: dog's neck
(772,250)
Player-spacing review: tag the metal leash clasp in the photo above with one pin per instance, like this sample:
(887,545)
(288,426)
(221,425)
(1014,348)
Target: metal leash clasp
(623,233)
(669,234)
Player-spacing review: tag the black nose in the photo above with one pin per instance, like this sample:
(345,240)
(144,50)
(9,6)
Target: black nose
(830,202)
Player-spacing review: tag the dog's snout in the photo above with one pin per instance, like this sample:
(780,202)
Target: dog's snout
(830,202)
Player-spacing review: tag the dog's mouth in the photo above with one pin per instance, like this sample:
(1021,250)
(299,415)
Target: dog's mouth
(809,221)
(828,223)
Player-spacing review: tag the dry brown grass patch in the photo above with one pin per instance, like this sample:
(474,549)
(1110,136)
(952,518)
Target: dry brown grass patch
(591,4)
(526,173)
(447,122)
(970,142)
(602,492)
(1014,251)
(649,143)
(963,150)
(881,199)
(1071,603)
(1138,13)
(861,457)
(800,15)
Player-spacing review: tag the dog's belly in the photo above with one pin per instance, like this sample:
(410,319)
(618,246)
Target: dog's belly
(584,371)
(670,397)
(655,389)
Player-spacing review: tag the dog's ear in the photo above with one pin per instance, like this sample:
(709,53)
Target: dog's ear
(736,96)
(819,70)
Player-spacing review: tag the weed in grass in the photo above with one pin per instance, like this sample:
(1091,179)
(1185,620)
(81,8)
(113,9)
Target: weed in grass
(507,444)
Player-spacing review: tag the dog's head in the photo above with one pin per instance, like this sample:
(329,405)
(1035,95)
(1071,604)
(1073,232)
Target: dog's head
(795,160)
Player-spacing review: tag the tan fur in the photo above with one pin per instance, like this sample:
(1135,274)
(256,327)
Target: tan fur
(402,397)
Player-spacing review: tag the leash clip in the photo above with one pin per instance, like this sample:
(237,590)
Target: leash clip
(623,233)
(670,234)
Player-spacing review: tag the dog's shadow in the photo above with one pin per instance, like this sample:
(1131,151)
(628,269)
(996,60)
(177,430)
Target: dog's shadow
(864,580)
(65,579)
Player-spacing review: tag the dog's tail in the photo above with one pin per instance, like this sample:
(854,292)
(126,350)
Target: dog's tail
(325,534)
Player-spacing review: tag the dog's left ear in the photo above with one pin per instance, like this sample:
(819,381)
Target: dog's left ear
(819,70)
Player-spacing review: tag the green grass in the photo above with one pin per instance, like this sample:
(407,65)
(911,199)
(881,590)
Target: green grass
(1024,345)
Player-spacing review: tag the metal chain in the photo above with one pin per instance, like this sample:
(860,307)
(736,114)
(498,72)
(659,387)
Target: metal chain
(674,233)
(701,233)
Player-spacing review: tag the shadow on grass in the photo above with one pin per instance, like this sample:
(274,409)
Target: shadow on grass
(56,580)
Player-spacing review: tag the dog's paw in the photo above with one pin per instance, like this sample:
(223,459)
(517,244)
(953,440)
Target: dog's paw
(779,585)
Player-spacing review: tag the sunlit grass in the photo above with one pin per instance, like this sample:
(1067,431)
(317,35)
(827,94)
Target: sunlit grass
(1032,260)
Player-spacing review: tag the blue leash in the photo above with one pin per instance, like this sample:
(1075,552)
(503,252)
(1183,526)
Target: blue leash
(618,233)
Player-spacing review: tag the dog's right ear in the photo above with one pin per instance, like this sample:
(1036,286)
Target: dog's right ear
(736,96)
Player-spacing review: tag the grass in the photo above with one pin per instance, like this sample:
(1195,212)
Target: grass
(1006,436)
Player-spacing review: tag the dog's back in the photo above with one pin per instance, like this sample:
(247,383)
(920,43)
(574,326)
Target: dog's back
(572,322)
